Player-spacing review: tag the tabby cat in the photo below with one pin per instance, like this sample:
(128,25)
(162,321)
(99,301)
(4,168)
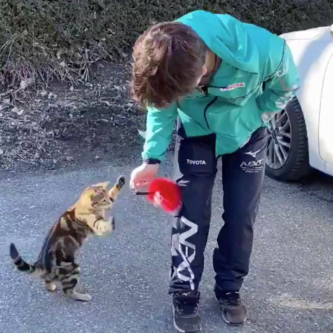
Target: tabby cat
(56,264)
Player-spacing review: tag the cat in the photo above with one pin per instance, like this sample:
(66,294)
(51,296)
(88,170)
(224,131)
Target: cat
(57,263)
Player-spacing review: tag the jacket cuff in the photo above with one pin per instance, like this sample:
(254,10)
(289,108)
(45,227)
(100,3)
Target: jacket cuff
(151,161)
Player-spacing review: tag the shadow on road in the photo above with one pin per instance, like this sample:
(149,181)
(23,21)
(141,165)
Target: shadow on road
(319,185)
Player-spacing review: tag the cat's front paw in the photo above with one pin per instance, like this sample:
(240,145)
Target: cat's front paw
(106,227)
(120,182)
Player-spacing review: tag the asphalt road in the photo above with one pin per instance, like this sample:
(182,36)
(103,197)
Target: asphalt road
(289,289)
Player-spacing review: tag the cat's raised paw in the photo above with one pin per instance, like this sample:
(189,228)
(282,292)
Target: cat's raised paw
(121,181)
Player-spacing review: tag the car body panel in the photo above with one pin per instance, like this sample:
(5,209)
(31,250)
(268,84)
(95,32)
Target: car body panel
(328,169)
(312,51)
(326,114)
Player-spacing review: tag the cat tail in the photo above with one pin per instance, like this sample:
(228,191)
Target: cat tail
(21,265)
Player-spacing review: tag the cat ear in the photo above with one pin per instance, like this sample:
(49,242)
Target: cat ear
(102,185)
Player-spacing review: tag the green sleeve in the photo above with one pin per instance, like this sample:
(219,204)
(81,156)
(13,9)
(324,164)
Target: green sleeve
(159,128)
(282,85)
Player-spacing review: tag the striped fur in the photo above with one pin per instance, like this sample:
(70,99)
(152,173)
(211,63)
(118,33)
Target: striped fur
(56,263)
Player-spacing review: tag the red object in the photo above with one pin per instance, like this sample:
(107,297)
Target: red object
(169,192)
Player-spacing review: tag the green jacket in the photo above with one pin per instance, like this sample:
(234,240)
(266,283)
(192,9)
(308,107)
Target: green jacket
(257,77)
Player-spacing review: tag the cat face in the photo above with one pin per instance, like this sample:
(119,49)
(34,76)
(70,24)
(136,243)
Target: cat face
(100,200)
(96,197)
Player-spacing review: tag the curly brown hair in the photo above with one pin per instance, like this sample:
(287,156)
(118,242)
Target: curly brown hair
(167,61)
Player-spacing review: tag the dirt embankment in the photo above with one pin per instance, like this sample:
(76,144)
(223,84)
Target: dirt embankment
(67,124)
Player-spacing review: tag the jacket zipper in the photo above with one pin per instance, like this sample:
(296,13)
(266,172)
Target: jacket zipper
(206,108)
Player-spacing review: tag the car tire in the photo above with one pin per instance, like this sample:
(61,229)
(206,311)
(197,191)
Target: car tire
(296,166)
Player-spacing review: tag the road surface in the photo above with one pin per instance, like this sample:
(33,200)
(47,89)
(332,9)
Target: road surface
(289,289)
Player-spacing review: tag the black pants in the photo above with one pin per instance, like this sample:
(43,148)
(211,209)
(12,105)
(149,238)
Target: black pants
(195,170)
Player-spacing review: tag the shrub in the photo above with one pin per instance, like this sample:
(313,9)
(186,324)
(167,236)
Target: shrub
(42,39)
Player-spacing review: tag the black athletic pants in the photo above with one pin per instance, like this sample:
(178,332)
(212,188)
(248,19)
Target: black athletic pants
(195,170)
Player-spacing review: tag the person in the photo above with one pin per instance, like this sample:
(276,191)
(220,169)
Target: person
(221,80)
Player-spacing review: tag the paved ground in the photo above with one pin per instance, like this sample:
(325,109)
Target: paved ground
(290,288)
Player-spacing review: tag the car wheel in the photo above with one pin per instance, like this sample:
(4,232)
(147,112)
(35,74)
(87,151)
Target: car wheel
(287,155)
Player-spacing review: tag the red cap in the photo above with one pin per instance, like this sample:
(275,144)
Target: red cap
(168,190)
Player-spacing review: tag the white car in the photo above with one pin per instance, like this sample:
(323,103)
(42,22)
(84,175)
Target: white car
(301,136)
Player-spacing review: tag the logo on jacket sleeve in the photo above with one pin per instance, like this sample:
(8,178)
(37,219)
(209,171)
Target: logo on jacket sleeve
(233,86)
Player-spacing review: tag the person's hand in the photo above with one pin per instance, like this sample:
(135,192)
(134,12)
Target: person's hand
(143,175)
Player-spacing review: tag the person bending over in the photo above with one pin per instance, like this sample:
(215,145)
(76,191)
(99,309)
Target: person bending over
(223,80)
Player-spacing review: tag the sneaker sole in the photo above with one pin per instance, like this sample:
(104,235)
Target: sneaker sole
(175,325)
(227,321)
